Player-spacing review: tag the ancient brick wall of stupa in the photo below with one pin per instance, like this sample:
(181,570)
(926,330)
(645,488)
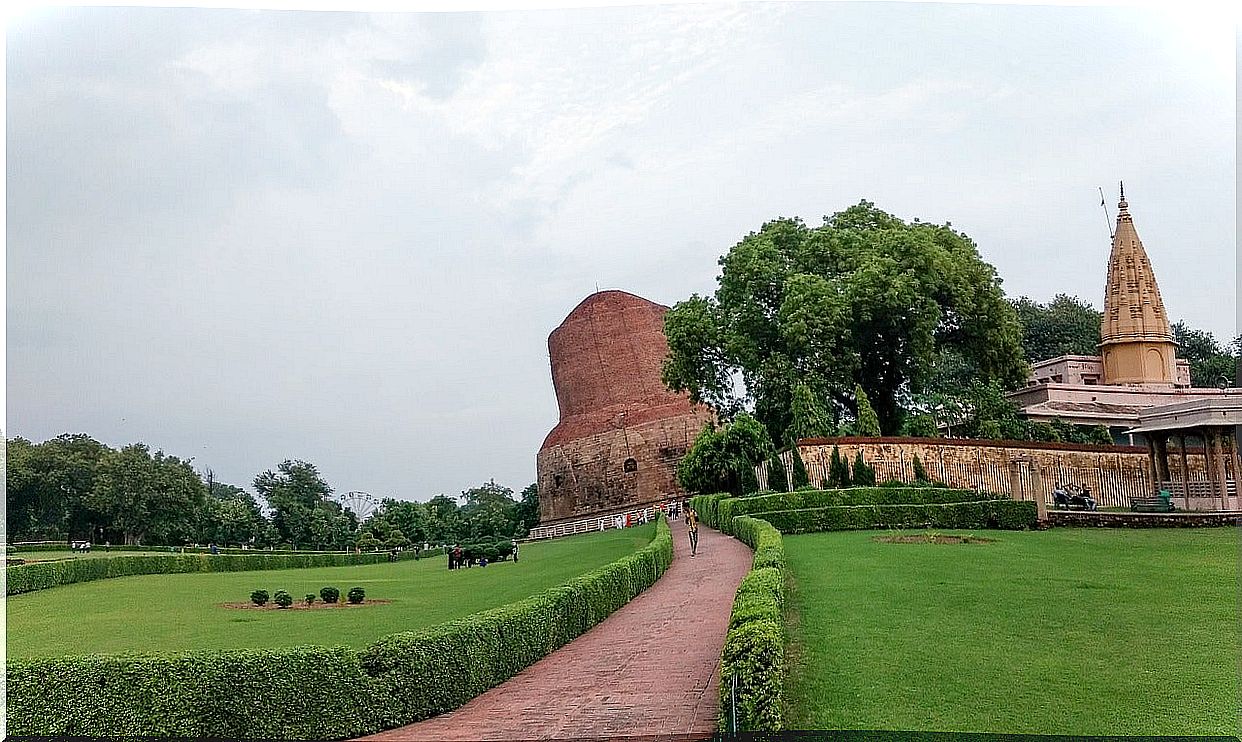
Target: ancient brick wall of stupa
(621,432)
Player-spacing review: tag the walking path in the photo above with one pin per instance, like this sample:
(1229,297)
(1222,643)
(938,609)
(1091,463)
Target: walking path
(651,669)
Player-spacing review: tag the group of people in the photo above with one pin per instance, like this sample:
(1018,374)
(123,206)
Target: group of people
(1071,495)
(457,559)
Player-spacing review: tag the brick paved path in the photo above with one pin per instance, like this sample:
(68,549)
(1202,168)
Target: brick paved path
(650,669)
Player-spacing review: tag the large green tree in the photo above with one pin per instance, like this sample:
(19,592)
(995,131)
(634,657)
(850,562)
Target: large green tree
(48,485)
(489,511)
(302,514)
(1066,325)
(1210,361)
(724,459)
(527,512)
(151,497)
(864,299)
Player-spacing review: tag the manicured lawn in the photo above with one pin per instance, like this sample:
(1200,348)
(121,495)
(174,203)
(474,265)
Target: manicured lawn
(183,612)
(1067,631)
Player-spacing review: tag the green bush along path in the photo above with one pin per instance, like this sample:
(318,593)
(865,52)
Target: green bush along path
(1068,631)
(183,612)
(651,668)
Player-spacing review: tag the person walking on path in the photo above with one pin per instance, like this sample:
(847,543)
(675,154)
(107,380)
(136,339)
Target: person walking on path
(692,526)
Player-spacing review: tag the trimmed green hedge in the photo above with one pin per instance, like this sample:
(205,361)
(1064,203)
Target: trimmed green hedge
(730,508)
(320,692)
(765,539)
(25,578)
(754,648)
(1002,514)
(706,507)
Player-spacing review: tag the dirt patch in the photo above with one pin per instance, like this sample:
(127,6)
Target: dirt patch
(933,538)
(299,605)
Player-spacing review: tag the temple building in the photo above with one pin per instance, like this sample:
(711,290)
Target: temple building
(1137,368)
(621,431)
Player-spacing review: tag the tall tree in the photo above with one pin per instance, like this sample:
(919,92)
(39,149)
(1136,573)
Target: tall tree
(863,299)
(527,511)
(724,459)
(867,423)
(1210,361)
(1066,325)
(148,497)
(48,485)
(294,492)
(490,511)
(808,418)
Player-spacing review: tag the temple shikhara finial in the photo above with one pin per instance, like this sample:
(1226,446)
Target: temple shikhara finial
(1135,339)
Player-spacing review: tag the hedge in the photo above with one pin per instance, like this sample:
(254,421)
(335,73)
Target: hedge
(320,692)
(730,508)
(754,647)
(706,507)
(25,578)
(1003,514)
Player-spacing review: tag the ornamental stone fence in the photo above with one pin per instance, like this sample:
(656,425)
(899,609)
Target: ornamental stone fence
(1024,470)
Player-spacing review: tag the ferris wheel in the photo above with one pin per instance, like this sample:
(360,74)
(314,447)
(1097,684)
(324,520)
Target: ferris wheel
(361,503)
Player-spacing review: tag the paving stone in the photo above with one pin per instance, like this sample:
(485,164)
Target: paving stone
(650,671)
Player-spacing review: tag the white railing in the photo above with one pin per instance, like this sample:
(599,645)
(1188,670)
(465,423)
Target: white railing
(595,523)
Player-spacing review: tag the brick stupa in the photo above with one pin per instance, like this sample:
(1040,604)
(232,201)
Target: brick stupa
(621,431)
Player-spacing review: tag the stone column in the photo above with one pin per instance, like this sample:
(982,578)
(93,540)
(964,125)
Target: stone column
(1217,465)
(1015,481)
(1037,486)
(1181,442)
(1209,470)
(1162,457)
(1234,458)
(1221,471)
(1151,462)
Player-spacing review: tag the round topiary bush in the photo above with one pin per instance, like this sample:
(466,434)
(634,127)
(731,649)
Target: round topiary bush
(282,599)
(329,594)
(310,598)
(356,595)
(259,597)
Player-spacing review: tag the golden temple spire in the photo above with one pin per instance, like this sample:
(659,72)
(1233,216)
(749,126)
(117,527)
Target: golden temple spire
(1135,338)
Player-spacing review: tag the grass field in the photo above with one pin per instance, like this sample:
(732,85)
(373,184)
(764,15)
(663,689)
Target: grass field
(169,613)
(1067,631)
(50,556)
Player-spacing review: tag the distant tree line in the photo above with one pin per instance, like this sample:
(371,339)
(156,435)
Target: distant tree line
(75,487)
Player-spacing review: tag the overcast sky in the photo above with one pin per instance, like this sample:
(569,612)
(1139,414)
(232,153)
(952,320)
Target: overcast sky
(246,236)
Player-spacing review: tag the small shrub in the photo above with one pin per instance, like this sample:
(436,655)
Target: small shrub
(259,597)
(864,474)
(776,474)
(329,594)
(310,598)
(920,473)
(356,595)
(282,599)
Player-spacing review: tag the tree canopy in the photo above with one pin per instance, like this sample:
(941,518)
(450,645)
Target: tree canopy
(723,459)
(865,299)
(1210,361)
(1066,325)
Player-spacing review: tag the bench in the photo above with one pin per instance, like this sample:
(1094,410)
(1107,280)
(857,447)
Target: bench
(1151,505)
